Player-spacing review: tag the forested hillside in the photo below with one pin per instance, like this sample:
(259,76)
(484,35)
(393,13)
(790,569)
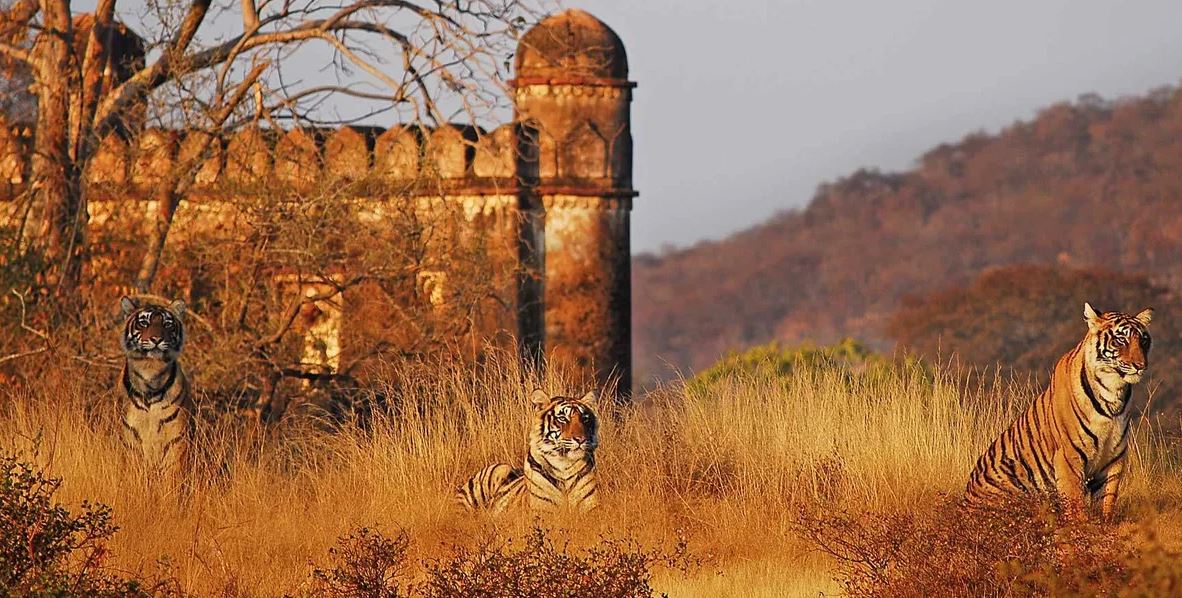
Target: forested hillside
(1086,185)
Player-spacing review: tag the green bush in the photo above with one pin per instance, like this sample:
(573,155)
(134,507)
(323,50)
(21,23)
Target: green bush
(774,361)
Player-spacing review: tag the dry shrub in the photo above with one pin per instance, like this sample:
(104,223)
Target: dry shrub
(46,550)
(1024,547)
(539,568)
(365,564)
(368,564)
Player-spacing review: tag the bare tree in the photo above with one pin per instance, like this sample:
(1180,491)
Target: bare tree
(302,256)
(424,60)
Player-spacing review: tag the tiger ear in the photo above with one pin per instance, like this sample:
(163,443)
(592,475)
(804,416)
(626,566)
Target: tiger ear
(177,307)
(1090,316)
(589,398)
(539,398)
(127,305)
(1145,316)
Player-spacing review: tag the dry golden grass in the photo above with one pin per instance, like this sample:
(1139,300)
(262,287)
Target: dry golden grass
(726,466)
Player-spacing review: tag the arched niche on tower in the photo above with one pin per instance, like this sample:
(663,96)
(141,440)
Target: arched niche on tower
(539,149)
(584,152)
(397,154)
(620,156)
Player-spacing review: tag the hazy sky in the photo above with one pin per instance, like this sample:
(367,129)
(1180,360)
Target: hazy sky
(744,107)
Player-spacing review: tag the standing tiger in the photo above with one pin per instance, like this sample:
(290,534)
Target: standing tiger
(157,415)
(1073,438)
(559,470)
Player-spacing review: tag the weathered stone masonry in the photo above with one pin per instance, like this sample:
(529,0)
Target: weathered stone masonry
(555,185)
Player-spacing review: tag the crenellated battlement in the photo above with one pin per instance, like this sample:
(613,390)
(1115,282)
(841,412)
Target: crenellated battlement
(402,160)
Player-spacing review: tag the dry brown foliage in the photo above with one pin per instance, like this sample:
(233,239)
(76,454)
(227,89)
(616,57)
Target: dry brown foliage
(1026,317)
(1026,547)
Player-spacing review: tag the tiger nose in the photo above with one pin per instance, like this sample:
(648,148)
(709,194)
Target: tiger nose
(576,431)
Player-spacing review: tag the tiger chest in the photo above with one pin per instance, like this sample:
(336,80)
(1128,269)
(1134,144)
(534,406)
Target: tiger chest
(1109,443)
(152,430)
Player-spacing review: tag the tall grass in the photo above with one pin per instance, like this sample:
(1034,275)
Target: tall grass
(724,464)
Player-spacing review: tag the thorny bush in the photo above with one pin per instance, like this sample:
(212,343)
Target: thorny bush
(1022,548)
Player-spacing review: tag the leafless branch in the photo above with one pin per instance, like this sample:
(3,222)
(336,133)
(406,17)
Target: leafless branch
(25,326)
(293,309)
(16,53)
(250,16)
(13,356)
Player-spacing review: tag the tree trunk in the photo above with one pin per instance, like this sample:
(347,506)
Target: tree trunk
(150,263)
(58,181)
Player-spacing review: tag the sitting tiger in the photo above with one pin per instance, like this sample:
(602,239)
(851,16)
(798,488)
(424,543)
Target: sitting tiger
(158,411)
(1073,439)
(559,470)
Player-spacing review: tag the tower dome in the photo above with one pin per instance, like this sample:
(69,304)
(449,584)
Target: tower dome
(571,45)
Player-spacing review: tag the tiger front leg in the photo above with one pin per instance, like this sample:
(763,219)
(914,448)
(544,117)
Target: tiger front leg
(1107,493)
(1070,486)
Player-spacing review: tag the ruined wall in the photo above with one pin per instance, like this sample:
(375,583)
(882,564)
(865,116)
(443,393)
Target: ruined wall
(544,200)
(457,184)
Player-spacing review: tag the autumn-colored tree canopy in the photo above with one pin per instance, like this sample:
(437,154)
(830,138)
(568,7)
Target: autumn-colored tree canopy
(1086,185)
(1026,317)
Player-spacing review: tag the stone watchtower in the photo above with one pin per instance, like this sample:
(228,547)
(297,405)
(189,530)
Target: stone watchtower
(573,95)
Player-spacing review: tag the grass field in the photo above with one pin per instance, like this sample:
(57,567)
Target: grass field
(727,466)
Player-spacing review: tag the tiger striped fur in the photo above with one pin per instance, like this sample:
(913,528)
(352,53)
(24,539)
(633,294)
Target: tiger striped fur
(158,410)
(559,469)
(1073,438)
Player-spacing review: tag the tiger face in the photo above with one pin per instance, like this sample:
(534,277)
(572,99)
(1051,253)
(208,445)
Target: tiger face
(1119,343)
(152,331)
(564,426)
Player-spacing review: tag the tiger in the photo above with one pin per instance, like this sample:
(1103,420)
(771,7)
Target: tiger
(559,469)
(1073,439)
(158,410)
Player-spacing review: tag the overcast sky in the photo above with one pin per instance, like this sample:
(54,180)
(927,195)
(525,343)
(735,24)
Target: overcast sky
(743,107)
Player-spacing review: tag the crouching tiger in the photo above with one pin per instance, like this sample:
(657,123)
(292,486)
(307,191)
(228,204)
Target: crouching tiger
(1074,436)
(559,469)
(158,410)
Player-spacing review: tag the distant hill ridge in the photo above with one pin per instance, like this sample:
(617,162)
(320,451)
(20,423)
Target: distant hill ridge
(1089,184)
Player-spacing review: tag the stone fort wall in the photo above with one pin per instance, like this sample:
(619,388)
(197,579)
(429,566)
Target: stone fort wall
(551,193)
